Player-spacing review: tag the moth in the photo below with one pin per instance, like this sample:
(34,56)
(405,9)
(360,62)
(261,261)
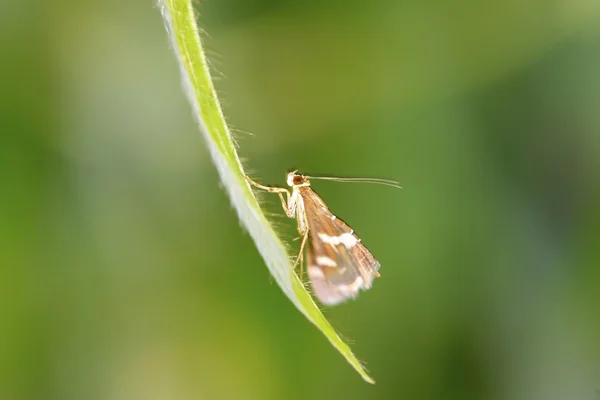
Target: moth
(338,263)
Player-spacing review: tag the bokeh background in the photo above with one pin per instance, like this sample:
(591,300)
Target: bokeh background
(124,271)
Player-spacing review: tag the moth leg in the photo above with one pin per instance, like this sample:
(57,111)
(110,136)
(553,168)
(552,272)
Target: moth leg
(301,262)
(303,230)
(280,191)
(301,253)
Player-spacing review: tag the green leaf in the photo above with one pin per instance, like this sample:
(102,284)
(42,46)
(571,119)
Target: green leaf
(179,19)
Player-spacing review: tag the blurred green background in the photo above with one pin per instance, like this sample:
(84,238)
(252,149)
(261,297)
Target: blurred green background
(124,271)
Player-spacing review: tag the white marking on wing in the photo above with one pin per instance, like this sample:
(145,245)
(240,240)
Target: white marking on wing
(315,273)
(326,261)
(347,239)
(351,290)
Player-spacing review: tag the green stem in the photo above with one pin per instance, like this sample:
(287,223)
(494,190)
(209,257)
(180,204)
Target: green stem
(181,26)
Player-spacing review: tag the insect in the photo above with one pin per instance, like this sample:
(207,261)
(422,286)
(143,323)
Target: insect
(338,263)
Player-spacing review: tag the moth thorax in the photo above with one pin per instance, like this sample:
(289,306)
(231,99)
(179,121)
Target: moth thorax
(295,179)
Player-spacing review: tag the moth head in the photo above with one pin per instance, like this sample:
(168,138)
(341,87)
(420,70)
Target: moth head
(296,179)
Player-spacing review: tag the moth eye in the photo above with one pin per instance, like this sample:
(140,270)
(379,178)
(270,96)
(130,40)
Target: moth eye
(298,180)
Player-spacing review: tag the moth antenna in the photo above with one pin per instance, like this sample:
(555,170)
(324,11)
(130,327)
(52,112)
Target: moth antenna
(385,182)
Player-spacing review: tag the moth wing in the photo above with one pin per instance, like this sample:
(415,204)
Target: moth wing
(338,264)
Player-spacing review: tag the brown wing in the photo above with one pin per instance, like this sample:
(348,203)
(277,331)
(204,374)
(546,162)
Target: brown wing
(338,264)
